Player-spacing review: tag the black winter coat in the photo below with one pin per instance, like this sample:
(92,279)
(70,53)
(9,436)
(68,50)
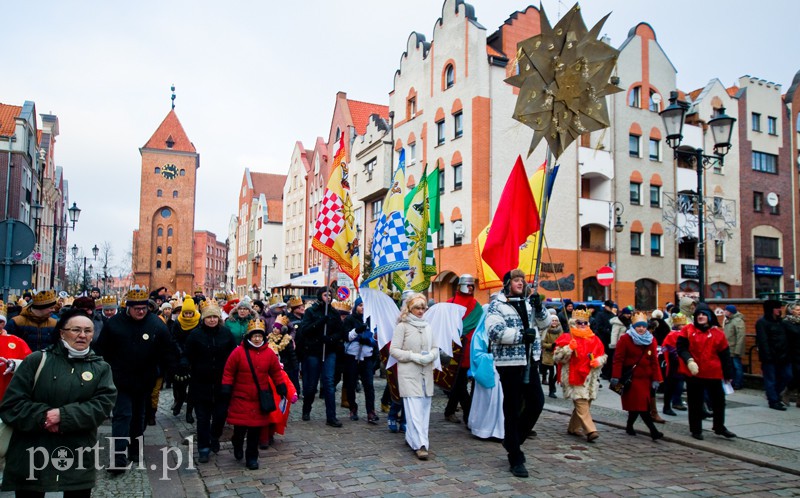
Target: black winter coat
(773,346)
(318,330)
(207,350)
(138,351)
(792,330)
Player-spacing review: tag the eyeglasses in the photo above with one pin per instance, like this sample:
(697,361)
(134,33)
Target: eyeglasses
(78,331)
(139,308)
(581,322)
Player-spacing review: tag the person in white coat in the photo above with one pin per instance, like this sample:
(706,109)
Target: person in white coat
(414,349)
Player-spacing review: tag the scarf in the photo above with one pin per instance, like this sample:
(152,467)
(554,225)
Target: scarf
(792,319)
(189,323)
(589,347)
(256,347)
(416,322)
(640,339)
(74,353)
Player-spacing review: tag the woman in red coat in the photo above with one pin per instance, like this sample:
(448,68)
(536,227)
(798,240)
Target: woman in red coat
(249,359)
(636,349)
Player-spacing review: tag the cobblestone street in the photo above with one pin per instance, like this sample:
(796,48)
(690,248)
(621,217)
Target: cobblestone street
(364,460)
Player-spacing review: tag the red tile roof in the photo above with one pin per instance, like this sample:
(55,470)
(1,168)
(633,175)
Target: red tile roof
(8,114)
(269,184)
(170,127)
(732,91)
(275,210)
(491,51)
(695,93)
(361,111)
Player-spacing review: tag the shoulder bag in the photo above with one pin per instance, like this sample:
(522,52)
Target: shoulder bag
(265,399)
(626,378)
(6,430)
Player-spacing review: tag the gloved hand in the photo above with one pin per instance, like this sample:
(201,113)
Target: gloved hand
(573,344)
(692,366)
(654,385)
(536,302)
(293,399)
(529,335)
(427,358)
(613,383)
(416,358)
(595,363)
(182,377)
(281,390)
(351,336)
(10,365)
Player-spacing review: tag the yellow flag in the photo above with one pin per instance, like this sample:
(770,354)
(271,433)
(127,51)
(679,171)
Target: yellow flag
(335,234)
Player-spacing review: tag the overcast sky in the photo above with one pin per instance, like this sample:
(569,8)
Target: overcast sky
(253,77)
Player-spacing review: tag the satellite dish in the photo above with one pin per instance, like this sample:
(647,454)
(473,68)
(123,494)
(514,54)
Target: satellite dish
(656,98)
(772,199)
(458,228)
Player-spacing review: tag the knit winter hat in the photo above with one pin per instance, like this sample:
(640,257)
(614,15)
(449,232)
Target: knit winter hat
(188,305)
(210,308)
(730,308)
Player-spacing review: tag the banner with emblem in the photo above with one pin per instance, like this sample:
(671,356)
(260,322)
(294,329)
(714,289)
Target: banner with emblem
(334,231)
(389,243)
(421,262)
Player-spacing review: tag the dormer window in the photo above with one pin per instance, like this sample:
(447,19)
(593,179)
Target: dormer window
(170,142)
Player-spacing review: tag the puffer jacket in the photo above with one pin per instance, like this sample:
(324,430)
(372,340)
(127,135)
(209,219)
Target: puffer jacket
(413,379)
(773,345)
(38,332)
(504,326)
(549,339)
(83,390)
(735,333)
(237,380)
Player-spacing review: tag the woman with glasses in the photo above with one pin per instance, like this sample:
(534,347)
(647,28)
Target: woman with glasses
(55,402)
(581,355)
(414,350)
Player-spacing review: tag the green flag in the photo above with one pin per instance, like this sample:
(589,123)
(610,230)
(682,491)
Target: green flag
(433,199)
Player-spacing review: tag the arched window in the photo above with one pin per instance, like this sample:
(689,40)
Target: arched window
(720,290)
(160,232)
(158,264)
(646,294)
(169,249)
(159,193)
(592,289)
(157,170)
(183,172)
(449,76)
(169,265)
(174,194)
(169,232)
(158,250)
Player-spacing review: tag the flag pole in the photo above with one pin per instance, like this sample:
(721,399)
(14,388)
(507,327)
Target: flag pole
(540,236)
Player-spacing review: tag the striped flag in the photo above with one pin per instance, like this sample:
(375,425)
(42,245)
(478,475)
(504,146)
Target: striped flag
(421,262)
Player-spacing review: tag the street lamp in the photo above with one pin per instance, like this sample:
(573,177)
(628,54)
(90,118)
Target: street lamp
(36,213)
(75,251)
(274,262)
(721,130)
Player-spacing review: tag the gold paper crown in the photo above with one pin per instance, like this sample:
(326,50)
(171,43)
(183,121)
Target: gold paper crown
(137,295)
(639,317)
(582,315)
(283,320)
(44,298)
(256,324)
(220,295)
(198,289)
(679,319)
(294,302)
(205,304)
(3,309)
(106,301)
(342,306)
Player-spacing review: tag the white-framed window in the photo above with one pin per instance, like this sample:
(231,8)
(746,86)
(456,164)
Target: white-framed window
(755,121)
(655,149)
(655,244)
(635,97)
(636,243)
(377,207)
(440,132)
(772,125)
(766,163)
(457,173)
(655,196)
(458,124)
(636,194)
(412,153)
(634,145)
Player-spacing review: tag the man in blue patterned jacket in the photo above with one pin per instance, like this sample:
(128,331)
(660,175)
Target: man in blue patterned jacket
(512,325)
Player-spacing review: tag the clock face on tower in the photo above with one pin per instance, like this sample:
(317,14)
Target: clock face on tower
(169,171)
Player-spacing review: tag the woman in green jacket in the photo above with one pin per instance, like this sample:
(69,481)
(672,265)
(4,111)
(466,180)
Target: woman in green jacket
(237,322)
(55,417)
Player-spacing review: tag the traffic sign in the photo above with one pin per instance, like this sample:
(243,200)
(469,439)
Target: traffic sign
(605,276)
(342,293)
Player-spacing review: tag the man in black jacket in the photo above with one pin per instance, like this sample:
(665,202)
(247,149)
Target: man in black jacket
(319,338)
(138,348)
(602,328)
(773,351)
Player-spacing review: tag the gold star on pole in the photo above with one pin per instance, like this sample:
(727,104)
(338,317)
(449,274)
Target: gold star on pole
(563,76)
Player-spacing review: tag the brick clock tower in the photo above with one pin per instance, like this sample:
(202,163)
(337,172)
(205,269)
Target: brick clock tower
(163,244)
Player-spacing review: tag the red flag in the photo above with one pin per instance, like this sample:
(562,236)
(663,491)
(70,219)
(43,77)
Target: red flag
(514,220)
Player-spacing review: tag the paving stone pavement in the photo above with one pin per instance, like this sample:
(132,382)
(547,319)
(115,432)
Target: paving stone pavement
(362,460)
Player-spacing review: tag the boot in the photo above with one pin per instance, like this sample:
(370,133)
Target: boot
(654,411)
(629,426)
(344,403)
(648,421)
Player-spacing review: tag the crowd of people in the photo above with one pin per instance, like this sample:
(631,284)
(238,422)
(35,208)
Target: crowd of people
(244,363)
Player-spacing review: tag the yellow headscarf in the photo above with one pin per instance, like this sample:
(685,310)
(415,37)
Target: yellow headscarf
(189,323)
